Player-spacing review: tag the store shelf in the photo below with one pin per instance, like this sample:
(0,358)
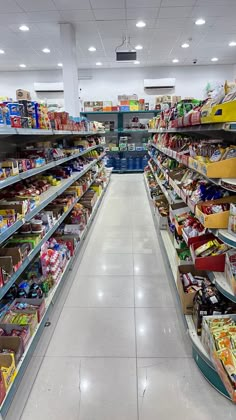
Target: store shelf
(46,198)
(13,179)
(227,237)
(215,181)
(170,251)
(223,286)
(40,132)
(36,250)
(196,340)
(200,355)
(12,229)
(151,111)
(201,128)
(49,305)
(124,171)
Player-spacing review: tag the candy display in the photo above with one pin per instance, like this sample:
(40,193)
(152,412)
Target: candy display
(218,337)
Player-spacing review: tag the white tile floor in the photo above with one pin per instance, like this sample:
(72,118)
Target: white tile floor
(119,350)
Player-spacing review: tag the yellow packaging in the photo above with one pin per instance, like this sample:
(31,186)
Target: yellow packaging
(8,368)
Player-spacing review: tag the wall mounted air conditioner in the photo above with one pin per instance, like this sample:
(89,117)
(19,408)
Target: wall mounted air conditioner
(167,83)
(49,87)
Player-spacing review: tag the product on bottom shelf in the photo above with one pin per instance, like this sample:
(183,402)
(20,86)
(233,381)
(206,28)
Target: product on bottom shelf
(219,339)
(209,301)
(189,282)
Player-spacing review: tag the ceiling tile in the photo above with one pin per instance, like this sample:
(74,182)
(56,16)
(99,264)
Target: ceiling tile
(8,6)
(85,29)
(11,18)
(142,13)
(143,3)
(77,15)
(107,4)
(109,14)
(35,6)
(71,4)
(50,16)
(177,3)
(214,11)
(169,24)
(174,12)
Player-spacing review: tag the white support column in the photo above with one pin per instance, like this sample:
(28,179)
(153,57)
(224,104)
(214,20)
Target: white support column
(70,71)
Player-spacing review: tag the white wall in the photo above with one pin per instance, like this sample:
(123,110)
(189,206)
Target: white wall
(13,80)
(107,84)
(190,80)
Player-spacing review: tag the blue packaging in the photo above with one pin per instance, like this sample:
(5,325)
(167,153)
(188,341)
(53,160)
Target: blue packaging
(14,109)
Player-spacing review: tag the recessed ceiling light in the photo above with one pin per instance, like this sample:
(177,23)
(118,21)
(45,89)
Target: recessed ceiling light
(46,50)
(214,59)
(2,52)
(22,66)
(24,28)
(200,22)
(136,62)
(98,63)
(140,24)
(60,64)
(175,60)
(139,47)
(232,44)
(185,45)
(92,49)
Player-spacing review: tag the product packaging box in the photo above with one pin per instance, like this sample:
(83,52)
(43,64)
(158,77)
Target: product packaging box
(23,94)
(211,263)
(8,369)
(218,220)
(12,343)
(39,310)
(8,328)
(183,257)
(2,388)
(186,299)
(225,367)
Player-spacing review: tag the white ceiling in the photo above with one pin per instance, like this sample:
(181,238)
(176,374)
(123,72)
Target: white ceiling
(102,23)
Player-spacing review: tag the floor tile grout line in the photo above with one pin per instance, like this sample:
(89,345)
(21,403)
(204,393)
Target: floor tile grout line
(113,357)
(135,333)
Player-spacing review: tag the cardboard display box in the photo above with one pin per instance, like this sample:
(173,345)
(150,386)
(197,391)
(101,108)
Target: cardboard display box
(186,299)
(12,343)
(8,328)
(211,263)
(39,303)
(218,220)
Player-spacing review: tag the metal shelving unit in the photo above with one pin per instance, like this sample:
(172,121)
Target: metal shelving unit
(35,251)
(49,305)
(201,128)
(228,131)
(45,199)
(13,179)
(9,131)
(200,355)
(121,130)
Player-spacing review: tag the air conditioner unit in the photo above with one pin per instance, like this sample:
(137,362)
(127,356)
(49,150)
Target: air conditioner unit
(49,87)
(168,83)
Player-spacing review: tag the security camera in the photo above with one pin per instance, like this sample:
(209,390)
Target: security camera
(195,61)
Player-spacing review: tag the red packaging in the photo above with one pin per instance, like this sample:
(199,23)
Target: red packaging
(15,121)
(211,263)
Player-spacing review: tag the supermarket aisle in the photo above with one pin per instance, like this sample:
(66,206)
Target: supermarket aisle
(119,350)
